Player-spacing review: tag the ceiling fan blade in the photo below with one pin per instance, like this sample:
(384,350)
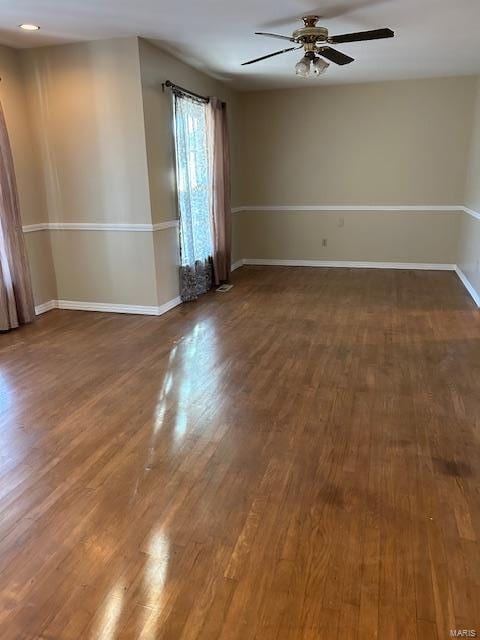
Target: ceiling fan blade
(335,56)
(274,35)
(376,34)
(270,55)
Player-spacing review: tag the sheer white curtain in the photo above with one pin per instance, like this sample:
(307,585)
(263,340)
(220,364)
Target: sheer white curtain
(194,196)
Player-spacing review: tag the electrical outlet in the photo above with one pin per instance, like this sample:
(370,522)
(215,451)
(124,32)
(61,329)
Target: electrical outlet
(324,242)
(341,222)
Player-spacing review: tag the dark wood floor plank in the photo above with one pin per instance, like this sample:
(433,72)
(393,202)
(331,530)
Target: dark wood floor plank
(298,458)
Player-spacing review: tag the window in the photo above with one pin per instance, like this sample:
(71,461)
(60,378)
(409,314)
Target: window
(193,181)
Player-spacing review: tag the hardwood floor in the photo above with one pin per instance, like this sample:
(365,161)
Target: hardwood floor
(297,458)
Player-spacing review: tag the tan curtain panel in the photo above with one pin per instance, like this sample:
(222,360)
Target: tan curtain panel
(219,148)
(16,299)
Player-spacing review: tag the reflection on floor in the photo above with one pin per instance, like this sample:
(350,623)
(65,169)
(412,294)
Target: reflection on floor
(297,458)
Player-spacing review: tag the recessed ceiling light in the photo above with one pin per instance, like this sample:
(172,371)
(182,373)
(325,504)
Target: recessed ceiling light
(29,27)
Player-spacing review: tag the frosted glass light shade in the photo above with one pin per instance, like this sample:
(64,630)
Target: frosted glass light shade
(319,66)
(302,68)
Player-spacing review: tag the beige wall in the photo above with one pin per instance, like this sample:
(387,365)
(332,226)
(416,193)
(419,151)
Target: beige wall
(29,184)
(238,243)
(165,245)
(12,93)
(472,186)
(389,143)
(351,236)
(468,256)
(386,143)
(42,268)
(469,237)
(113,267)
(86,106)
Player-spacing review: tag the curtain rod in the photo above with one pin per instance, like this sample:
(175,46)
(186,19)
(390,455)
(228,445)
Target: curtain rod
(177,88)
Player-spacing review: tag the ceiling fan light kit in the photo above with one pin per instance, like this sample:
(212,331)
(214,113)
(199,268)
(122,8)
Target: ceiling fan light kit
(319,66)
(302,68)
(310,63)
(314,40)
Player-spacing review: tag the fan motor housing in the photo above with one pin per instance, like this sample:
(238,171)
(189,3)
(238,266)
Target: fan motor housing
(310,35)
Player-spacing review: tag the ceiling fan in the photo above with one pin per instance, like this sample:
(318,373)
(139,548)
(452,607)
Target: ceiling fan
(314,41)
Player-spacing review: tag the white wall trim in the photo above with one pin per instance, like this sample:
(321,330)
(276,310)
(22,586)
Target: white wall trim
(94,226)
(118,308)
(29,228)
(349,264)
(46,306)
(472,213)
(169,224)
(237,265)
(468,285)
(166,306)
(405,208)
(76,305)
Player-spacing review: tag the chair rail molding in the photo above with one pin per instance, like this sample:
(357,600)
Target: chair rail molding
(99,226)
(401,208)
(169,224)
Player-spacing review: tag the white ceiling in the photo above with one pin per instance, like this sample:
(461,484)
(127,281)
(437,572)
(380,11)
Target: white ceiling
(433,37)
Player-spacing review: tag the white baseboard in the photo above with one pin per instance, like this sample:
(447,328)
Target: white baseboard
(236,265)
(76,305)
(468,286)
(46,306)
(349,264)
(171,304)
